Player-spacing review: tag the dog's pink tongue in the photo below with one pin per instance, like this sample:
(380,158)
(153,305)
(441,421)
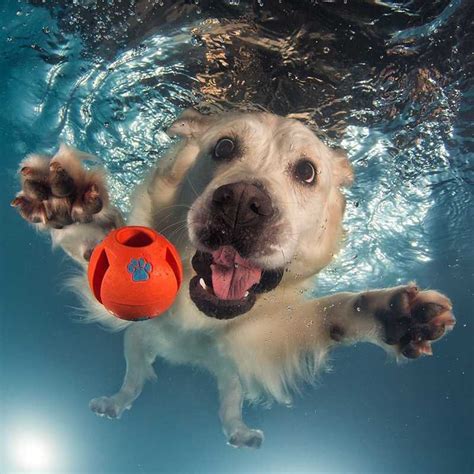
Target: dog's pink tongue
(232,275)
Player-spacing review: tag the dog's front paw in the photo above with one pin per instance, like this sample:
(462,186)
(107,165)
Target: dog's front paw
(59,192)
(412,319)
(107,406)
(246,438)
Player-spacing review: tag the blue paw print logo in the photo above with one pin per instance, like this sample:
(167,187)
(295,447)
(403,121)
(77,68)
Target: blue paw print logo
(140,269)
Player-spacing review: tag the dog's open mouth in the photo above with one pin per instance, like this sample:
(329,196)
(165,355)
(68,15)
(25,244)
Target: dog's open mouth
(226,284)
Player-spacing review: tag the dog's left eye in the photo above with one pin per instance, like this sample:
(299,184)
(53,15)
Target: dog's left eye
(224,149)
(305,172)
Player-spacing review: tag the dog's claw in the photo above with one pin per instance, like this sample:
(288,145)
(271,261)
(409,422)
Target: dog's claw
(18,201)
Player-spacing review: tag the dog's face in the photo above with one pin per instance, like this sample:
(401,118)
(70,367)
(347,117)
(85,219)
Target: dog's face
(264,197)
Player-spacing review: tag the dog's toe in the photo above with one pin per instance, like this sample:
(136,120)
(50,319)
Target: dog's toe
(246,438)
(106,406)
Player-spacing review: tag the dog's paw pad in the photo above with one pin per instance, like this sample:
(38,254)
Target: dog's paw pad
(414,319)
(61,182)
(31,210)
(92,200)
(106,406)
(246,438)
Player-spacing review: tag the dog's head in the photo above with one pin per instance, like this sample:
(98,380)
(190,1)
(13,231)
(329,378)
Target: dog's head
(264,196)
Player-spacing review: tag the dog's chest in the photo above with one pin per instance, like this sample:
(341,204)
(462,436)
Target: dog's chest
(172,342)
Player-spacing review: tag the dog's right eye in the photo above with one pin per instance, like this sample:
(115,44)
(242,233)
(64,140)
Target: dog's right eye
(305,172)
(224,149)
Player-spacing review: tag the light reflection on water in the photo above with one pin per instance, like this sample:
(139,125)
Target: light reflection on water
(392,114)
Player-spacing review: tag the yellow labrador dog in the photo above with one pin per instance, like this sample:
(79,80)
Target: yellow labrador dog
(253,202)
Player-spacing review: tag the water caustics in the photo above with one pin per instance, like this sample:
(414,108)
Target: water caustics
(388,83)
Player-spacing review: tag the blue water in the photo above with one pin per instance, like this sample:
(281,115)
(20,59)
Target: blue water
(392,84)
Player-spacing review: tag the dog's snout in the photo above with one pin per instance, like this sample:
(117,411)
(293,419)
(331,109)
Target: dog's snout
(242,203)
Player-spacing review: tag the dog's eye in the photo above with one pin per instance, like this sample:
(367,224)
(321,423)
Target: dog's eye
(224,149)
(305,172)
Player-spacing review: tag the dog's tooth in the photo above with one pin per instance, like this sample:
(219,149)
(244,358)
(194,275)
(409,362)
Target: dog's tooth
(202,283)
(246,294)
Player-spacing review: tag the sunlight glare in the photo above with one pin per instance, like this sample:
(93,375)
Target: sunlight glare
(33,452)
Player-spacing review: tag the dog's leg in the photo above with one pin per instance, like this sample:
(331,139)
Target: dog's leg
(139,355)
(167,179)
(230,413)
(61,196)
(402,320)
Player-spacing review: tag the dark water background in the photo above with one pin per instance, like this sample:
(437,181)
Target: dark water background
(390,81)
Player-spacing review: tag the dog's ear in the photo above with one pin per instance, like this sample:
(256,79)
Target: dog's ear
(189,123)
(343,172)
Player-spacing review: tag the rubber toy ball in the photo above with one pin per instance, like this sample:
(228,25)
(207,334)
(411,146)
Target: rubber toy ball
(135,273)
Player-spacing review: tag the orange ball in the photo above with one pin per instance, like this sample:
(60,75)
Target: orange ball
(135,273)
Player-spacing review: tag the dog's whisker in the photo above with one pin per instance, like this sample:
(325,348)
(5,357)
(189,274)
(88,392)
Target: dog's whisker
(173,224)
(283,254)
(173,206)
(178,229)
(192,186)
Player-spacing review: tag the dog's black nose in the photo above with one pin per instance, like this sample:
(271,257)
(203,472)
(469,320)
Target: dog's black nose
(242,204)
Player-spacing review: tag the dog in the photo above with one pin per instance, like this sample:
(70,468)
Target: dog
(254,204)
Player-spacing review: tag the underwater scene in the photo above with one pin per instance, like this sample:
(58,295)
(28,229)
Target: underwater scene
(321,148)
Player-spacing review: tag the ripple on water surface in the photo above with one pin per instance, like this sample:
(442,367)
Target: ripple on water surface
(389,83)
